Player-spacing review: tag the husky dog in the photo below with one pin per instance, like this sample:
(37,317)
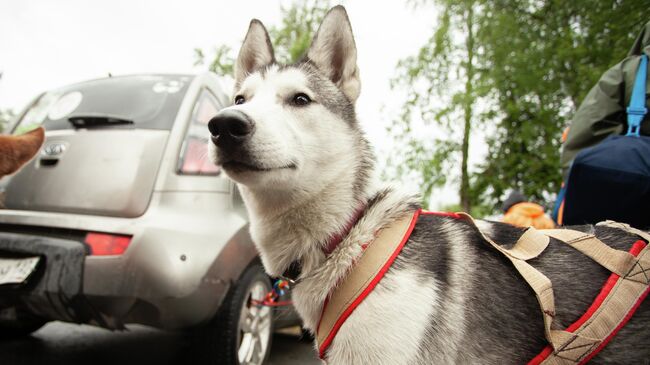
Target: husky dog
(292,143)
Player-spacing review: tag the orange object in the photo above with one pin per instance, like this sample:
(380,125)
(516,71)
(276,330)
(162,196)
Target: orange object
(565,134)
(527,214)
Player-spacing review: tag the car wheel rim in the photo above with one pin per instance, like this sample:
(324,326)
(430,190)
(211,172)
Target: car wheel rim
(254,327)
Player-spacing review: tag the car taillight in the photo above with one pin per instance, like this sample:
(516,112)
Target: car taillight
(102,244)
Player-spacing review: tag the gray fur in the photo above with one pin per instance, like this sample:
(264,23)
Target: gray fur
(503,323)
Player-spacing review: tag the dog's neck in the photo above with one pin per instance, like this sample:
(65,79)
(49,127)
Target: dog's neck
(384,207)
(290,227)
(297,226)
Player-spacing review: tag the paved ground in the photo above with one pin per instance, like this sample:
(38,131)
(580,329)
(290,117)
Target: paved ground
(70,344)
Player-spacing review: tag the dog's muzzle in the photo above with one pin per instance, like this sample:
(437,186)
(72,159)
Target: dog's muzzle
(230,129)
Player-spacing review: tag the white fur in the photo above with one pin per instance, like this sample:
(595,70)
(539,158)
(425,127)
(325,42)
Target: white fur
(318,193)
(386,328)
(318,281)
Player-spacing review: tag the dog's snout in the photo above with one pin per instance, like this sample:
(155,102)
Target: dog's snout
(230,126)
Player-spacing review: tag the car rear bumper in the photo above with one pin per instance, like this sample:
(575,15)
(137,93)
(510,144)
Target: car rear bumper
(54,290)
(70,286)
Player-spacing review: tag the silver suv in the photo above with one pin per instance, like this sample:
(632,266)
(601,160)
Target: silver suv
(122,218)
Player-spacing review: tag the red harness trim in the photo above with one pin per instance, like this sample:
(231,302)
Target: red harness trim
(604,292)
(366,291)
(335,239)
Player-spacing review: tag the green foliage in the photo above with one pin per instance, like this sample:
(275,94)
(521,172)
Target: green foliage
(476,211)
(534,61)
(290,40)
(299,23)
(440,88)
(541,58)
(222,63)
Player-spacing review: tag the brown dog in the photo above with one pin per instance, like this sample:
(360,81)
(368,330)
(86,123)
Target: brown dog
(15,151)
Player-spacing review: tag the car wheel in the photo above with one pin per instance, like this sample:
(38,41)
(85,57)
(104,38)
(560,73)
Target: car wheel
(306,336)
(241,332)
(20,327)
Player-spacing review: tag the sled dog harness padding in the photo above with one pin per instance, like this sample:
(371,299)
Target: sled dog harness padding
(620,297)
(607,314)
(362,279)
(622,294)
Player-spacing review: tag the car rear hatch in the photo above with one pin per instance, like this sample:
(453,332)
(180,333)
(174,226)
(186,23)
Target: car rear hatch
(105,141)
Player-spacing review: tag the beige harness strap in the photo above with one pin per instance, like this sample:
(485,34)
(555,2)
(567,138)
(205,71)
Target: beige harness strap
(621,300)
(360,277)
(529,246)
(619,262)
(616,261)
(627,228)
(576,346)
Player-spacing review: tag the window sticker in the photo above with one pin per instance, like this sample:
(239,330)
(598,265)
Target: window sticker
(170,87)
(65,105)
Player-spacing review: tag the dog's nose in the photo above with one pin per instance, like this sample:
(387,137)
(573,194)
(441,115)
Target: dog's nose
(230,127)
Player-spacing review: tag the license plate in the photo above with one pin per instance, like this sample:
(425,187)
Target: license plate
(16,270)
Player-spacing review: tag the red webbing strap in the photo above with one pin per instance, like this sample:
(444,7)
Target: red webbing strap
(602,296)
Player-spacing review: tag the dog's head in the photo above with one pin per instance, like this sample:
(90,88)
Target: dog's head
(15,151)
(292,126)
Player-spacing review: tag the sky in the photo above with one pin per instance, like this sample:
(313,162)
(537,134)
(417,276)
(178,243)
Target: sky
(48,44)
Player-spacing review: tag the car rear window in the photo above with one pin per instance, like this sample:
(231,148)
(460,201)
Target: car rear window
(148,101)
(194,158)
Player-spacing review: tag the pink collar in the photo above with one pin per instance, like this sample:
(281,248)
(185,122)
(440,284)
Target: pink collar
(334,240)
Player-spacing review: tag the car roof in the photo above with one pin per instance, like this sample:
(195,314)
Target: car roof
(117,77)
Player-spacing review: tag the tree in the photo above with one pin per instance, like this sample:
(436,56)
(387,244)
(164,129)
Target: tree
(534,61)
(290,40)
(541,59)
(223,62)
(440,81)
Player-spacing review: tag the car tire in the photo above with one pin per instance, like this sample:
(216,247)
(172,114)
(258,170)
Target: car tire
(21,327)
(241,332)
(306,336)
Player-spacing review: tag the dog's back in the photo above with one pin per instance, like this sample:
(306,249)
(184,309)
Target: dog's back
(501,319)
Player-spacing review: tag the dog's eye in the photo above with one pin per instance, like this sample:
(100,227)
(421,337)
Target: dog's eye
(239,100)
(301,99)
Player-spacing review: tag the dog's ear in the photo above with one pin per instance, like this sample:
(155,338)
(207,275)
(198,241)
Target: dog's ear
(256,51)
(15,151)
(334,53)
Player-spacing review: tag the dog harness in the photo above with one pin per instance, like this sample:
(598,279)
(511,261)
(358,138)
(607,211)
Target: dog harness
(622,294)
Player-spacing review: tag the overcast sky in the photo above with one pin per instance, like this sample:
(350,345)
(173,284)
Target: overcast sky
(46,44)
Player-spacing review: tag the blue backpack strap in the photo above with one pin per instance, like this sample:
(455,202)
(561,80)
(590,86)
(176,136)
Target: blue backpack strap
(558,203)
(637,110)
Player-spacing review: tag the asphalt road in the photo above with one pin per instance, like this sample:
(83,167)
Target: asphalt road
(70,344)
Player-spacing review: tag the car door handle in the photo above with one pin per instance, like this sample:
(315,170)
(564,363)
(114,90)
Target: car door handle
(48,162)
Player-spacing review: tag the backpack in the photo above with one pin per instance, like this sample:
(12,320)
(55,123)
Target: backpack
(611,180)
